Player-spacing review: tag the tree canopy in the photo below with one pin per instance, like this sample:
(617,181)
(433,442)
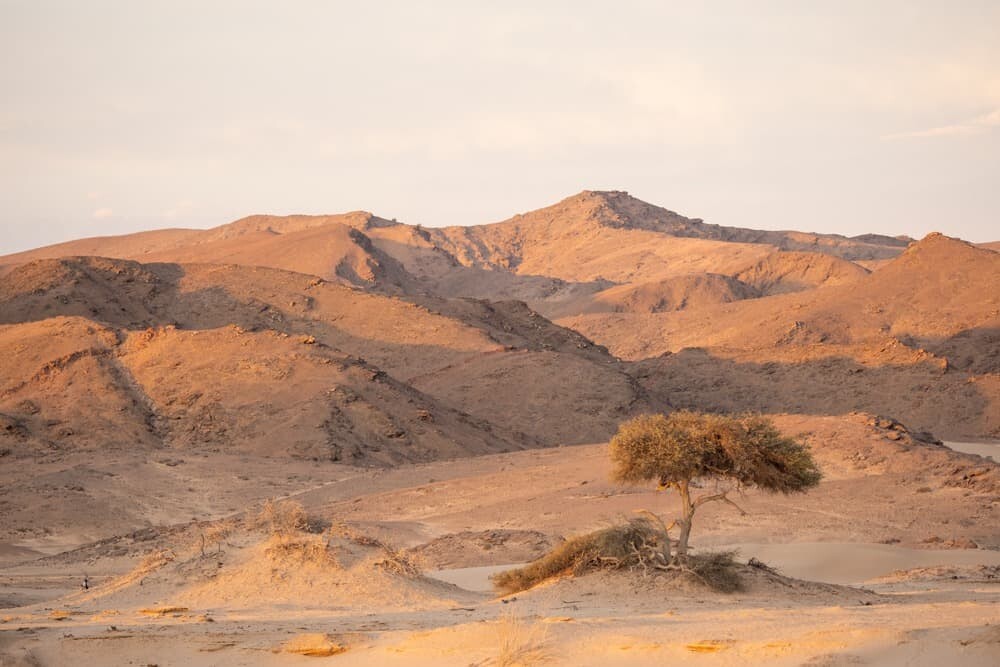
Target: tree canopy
(743,450)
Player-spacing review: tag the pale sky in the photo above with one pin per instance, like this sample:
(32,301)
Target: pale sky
(845,117)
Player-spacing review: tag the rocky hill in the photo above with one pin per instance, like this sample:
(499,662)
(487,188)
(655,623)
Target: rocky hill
(284,318)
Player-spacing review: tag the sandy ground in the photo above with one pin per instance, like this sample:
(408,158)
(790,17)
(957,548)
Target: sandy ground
(905,624)
(878,523)
(990,450)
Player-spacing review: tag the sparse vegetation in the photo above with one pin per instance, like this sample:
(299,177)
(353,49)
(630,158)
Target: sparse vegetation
(612,548)
(519,643)
(715,569)
(282,518)
(213,535)
(686,447)
(638,545)
(303,550)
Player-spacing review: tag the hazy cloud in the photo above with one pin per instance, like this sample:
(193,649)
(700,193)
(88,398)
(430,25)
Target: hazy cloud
(102,213)
(976,125)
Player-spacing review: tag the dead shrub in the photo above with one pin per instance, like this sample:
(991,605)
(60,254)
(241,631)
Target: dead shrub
(717,570)
(638,545)
(213,535)
(616,547)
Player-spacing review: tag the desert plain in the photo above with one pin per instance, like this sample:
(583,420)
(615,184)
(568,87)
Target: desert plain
(313,439)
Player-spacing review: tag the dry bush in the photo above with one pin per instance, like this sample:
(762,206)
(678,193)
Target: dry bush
(213,536)
(628,545)
(716,569)
(637,546)
(307,550)
(282,518)
(519,644)
(399,562)
(344,531)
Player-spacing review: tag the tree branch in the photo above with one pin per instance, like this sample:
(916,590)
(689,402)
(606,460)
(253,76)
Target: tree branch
(742,511)
(724,497)
(707,499)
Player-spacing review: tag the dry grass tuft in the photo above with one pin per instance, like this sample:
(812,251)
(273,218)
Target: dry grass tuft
(520,644)
(635,546)
(284,518)
(307,550)
(213,536)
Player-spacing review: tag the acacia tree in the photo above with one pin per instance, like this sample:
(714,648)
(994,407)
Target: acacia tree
(735,452)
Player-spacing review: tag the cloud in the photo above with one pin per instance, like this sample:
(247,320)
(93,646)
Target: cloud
(102,213)
(976,125)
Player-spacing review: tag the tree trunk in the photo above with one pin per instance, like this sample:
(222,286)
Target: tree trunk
(687,509)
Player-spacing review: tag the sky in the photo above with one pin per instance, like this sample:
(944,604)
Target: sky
(844,117)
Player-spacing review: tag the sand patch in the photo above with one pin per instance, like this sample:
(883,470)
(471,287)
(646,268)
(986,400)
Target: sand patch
(850,563)
(990,450)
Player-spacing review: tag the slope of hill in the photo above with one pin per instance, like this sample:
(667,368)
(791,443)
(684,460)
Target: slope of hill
(937,289)
(613,235)
(549,257)
(916,339)
(796,271)
(693,290)
(333,247)
(640,279)
(282,363)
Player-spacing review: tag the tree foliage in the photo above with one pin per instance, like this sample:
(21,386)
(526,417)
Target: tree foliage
(683,447)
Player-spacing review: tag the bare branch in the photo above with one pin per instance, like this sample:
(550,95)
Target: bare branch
(708,499)
(724,497)
(742,511)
